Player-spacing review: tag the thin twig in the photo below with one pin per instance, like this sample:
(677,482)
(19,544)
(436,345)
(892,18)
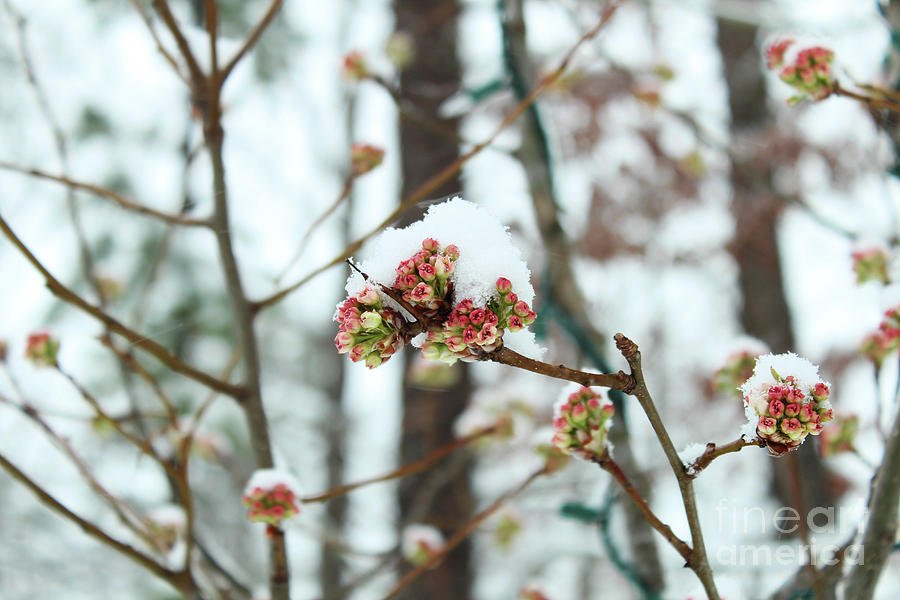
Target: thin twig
(159,45)
(179,579)
(404,471)
(136,339)
(714,451)
(617,381)
(109,194)
(609,465)
(427,188)
(165,13)
(460,536)
(867,100)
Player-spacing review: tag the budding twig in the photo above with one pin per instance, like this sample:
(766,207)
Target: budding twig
(713,452)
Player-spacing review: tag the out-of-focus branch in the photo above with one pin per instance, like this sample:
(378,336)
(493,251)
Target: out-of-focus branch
(451,170)
(159,45)
(136,339)
(881,526)
(252,38)
(410,469)
(181,580)
(699,562)
(103,192)
(459,536)
(165,13)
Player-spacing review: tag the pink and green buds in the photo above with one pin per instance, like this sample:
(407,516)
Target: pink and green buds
(423,278)
(878,345)
(738,366)
(810,73)
(420,543)
(369,331)
(355,68)
(840,436)
(785,409)
(871,264)
(364,158)
(271,497)
(580,423)
(41,349)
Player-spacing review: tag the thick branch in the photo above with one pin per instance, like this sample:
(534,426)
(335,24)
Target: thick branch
(699,562)
(617,381)
(881,526)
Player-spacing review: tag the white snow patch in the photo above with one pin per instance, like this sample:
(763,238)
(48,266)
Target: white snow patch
(267,479)
(806,373)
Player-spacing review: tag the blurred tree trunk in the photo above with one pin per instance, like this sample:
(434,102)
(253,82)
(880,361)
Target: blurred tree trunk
(757,209)
(442,493)
(535,156)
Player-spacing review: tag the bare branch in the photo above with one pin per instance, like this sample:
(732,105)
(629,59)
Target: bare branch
(109,194)
(251,40)
(162,7)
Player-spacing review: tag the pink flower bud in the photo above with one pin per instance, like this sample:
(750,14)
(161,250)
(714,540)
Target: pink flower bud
(776,409)
(430,244)
(504,285)
(792,409)
(522,309)
(426,272)
(510,299)
(359,351)
(470,335)
(452,252)
(464,307)
(821,392)
(476,317)
(792,428)
(406,267)
(775,53)
(807,413)
(490,318)
(41,349)
(767,426)
(364,158)
(422,292)
(355,67)
(368,296)
(515,323)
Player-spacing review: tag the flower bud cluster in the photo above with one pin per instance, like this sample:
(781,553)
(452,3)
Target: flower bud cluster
(840,436)
(737,369)
(787,412)
(355,67)
(468,332)
(878,345)
(364,158)
(423,279)
(369,331)
(580,423)
(41,349)
(871,265)
(810,73)
(271,497)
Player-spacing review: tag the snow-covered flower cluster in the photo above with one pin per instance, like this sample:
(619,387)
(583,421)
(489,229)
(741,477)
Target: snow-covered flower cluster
(420,543)
(809,73)
(785,401)
(456,302)
(468,332)
(41,349)
(580,423)
(369,331)
(871,264)
(271,496)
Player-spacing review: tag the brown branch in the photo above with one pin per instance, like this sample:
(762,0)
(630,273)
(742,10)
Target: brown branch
(251,40)
(610,466)
(136,339)
(162,8)
(181,580)
(459,536)
(404,471)
(450,171)
(103,192)
(713,452)
(159,45)
(869,101)
(699,562)
(617,381)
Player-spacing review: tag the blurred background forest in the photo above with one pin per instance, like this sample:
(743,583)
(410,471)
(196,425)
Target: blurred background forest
(659,186)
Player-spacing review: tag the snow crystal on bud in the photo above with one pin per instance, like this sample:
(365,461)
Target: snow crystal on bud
(420,543)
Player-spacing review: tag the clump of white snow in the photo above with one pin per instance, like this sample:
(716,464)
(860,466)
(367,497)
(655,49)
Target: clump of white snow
(267,479)
(789,364)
